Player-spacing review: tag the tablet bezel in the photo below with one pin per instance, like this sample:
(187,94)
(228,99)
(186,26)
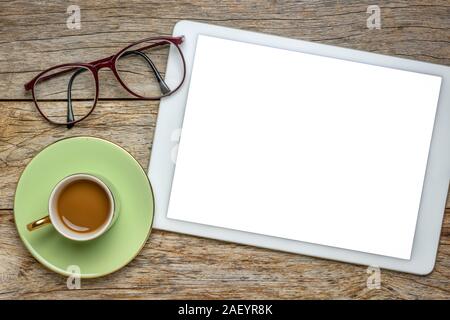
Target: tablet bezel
(434,194)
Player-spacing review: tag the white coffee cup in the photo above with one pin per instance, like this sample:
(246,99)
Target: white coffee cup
(54,218)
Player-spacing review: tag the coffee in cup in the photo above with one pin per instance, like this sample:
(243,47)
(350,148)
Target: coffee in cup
(81,207)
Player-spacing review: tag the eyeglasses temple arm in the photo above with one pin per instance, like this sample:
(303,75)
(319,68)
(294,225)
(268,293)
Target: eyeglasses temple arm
(176,40)
(162,85)
(70,115)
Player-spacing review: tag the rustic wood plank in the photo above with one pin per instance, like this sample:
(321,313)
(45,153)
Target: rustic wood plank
(179,266)
(23,133)
(34,35)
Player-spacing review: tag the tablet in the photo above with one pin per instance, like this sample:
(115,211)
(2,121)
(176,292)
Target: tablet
(304,147)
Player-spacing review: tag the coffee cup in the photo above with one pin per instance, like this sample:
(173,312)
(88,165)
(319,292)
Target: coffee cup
(81,207)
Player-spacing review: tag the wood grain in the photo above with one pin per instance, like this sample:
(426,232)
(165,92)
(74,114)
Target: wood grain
(180,266)
(174,265)
(34,36)
(23,133)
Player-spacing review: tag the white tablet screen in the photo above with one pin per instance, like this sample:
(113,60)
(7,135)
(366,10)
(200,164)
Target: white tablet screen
(304,147)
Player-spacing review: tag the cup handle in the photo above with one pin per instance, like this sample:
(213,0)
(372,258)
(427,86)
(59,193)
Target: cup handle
(38,223)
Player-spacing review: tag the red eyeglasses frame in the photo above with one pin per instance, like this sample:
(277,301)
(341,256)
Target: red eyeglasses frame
(108,62)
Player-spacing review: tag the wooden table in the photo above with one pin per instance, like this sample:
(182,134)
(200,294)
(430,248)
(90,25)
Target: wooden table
(34,36)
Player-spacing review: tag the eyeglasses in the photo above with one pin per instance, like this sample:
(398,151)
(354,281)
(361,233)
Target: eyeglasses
(67,94)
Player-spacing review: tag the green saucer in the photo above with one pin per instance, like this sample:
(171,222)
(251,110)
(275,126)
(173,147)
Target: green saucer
(132,191)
